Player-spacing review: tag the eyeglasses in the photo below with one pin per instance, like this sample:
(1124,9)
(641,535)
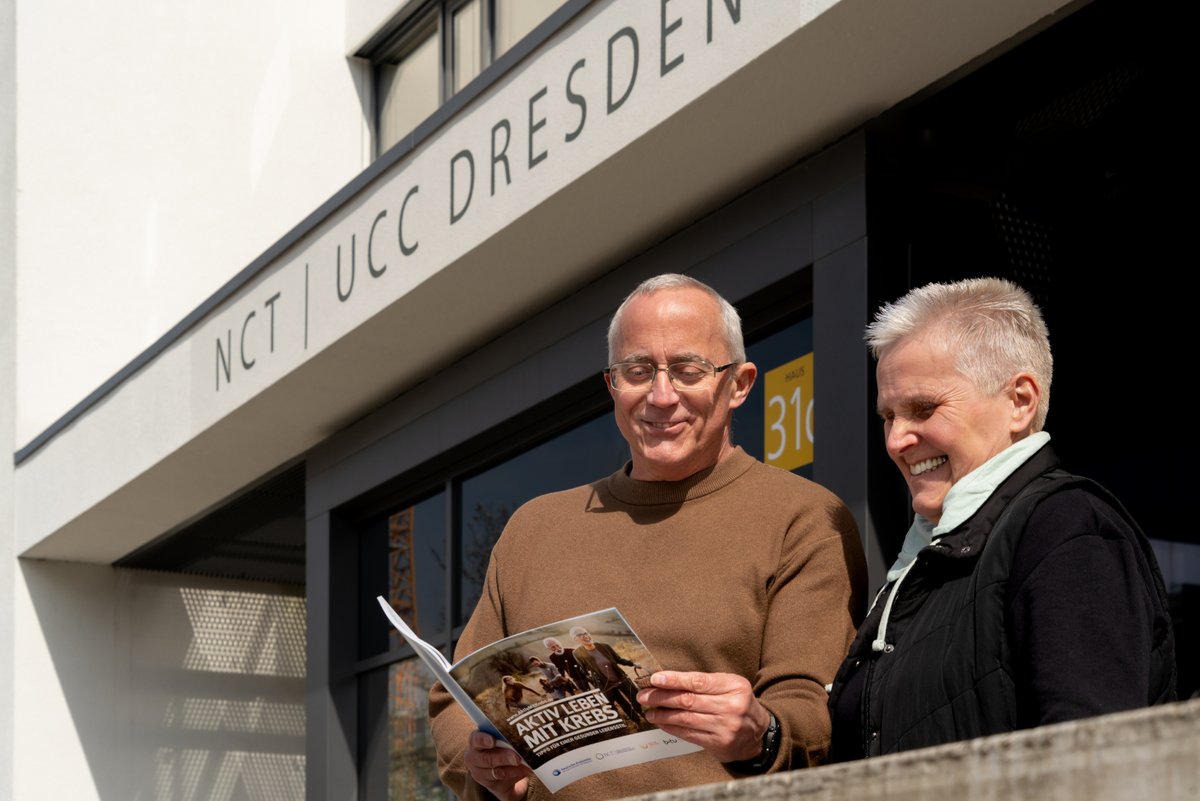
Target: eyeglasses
(684,376)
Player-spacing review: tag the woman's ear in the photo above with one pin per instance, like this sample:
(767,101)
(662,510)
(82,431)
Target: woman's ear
(1024,392)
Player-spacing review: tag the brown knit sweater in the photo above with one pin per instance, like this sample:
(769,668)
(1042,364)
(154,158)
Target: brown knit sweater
(742,568)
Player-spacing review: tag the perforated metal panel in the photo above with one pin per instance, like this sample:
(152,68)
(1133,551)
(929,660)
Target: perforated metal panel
(258,535)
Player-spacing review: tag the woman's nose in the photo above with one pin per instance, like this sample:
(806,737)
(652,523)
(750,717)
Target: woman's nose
(900,435)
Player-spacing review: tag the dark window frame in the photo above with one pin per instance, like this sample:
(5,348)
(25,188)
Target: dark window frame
(413,25)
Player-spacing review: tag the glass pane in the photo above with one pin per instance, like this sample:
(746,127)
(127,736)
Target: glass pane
(1180,565)
(468,60)
(408,91)
(412,760)
(395,727)
(515,18)
(789,419)
(583,454)
(402,558)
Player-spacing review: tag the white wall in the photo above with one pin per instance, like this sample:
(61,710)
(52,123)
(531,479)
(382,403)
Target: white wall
(160,149)
(153,686)
(364,18)
(8,328)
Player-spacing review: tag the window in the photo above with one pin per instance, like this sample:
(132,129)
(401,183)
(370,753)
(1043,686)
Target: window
(467,44)
(408,87)
(515,18)
(489,498)
(437,48)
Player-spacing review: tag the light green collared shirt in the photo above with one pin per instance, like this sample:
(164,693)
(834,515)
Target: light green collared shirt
(965,498)
(962,501)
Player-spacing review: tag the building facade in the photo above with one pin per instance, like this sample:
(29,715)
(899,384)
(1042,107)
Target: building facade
(298,304)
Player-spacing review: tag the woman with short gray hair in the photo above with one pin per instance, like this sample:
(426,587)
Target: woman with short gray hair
(1022,595)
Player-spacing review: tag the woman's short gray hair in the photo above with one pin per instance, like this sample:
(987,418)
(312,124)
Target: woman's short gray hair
(731,323)
(991,325)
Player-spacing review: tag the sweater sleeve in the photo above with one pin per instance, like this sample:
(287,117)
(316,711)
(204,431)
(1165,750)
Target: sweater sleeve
(1080,613)
(815,603)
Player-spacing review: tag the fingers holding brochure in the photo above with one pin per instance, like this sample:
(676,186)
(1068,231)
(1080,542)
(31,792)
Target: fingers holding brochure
(497,768)
(717,711)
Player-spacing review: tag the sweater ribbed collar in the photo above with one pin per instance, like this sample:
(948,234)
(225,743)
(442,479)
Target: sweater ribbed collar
(651,493)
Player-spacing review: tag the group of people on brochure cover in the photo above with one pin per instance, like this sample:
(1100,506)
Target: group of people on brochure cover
(568,671)
(1022,595)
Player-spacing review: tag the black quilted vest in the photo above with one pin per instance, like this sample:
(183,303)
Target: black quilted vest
(946,674)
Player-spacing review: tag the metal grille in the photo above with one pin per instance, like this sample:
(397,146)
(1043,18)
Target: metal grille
(257,536)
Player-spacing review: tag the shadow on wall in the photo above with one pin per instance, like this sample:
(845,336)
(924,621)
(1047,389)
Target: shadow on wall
(178,688)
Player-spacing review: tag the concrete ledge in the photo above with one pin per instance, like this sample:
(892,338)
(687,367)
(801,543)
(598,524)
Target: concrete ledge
(1142,755)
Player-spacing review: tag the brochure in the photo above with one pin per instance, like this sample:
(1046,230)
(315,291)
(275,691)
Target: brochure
(563,696)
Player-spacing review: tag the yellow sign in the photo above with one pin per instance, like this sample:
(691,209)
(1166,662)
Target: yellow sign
(788,416)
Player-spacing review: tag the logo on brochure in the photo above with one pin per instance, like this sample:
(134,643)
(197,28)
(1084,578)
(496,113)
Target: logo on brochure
(575,764)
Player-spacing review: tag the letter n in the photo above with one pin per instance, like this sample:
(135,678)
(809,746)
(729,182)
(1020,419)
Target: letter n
(223,358)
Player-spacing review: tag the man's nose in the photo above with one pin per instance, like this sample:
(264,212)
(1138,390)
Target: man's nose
(662,391)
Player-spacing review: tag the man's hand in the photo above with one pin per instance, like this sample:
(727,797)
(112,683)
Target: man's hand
(716,711)
(497,768)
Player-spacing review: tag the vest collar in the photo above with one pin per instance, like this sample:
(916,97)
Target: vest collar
(967,540)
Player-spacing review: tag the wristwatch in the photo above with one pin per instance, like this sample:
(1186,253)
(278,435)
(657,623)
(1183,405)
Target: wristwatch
(770,750)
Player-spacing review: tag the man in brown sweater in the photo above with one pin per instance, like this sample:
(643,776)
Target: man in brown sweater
(746,582)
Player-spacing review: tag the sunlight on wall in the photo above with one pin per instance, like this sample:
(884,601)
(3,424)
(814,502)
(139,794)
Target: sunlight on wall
(222,714)
(220,677)
(243,632)
(231,776)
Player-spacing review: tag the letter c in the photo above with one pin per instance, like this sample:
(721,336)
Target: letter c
(246,364)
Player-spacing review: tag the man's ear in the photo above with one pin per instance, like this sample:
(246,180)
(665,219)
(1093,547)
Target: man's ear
(1023,392)
(743,381)
(608,385)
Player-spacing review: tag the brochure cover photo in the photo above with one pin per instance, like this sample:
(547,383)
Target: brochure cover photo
(563,695)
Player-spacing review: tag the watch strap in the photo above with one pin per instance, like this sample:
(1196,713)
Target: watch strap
(770,749)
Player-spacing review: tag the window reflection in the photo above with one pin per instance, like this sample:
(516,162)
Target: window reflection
(412,760)
(582,454)
(515,18)
(408,89)
(412,575)
(398,758)
(468,56)
(414,76)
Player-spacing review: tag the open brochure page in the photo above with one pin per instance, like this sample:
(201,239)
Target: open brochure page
(440,668)
(564,695)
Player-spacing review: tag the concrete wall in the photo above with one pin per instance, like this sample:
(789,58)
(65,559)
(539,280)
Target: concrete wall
(1145,754)
(143,685)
